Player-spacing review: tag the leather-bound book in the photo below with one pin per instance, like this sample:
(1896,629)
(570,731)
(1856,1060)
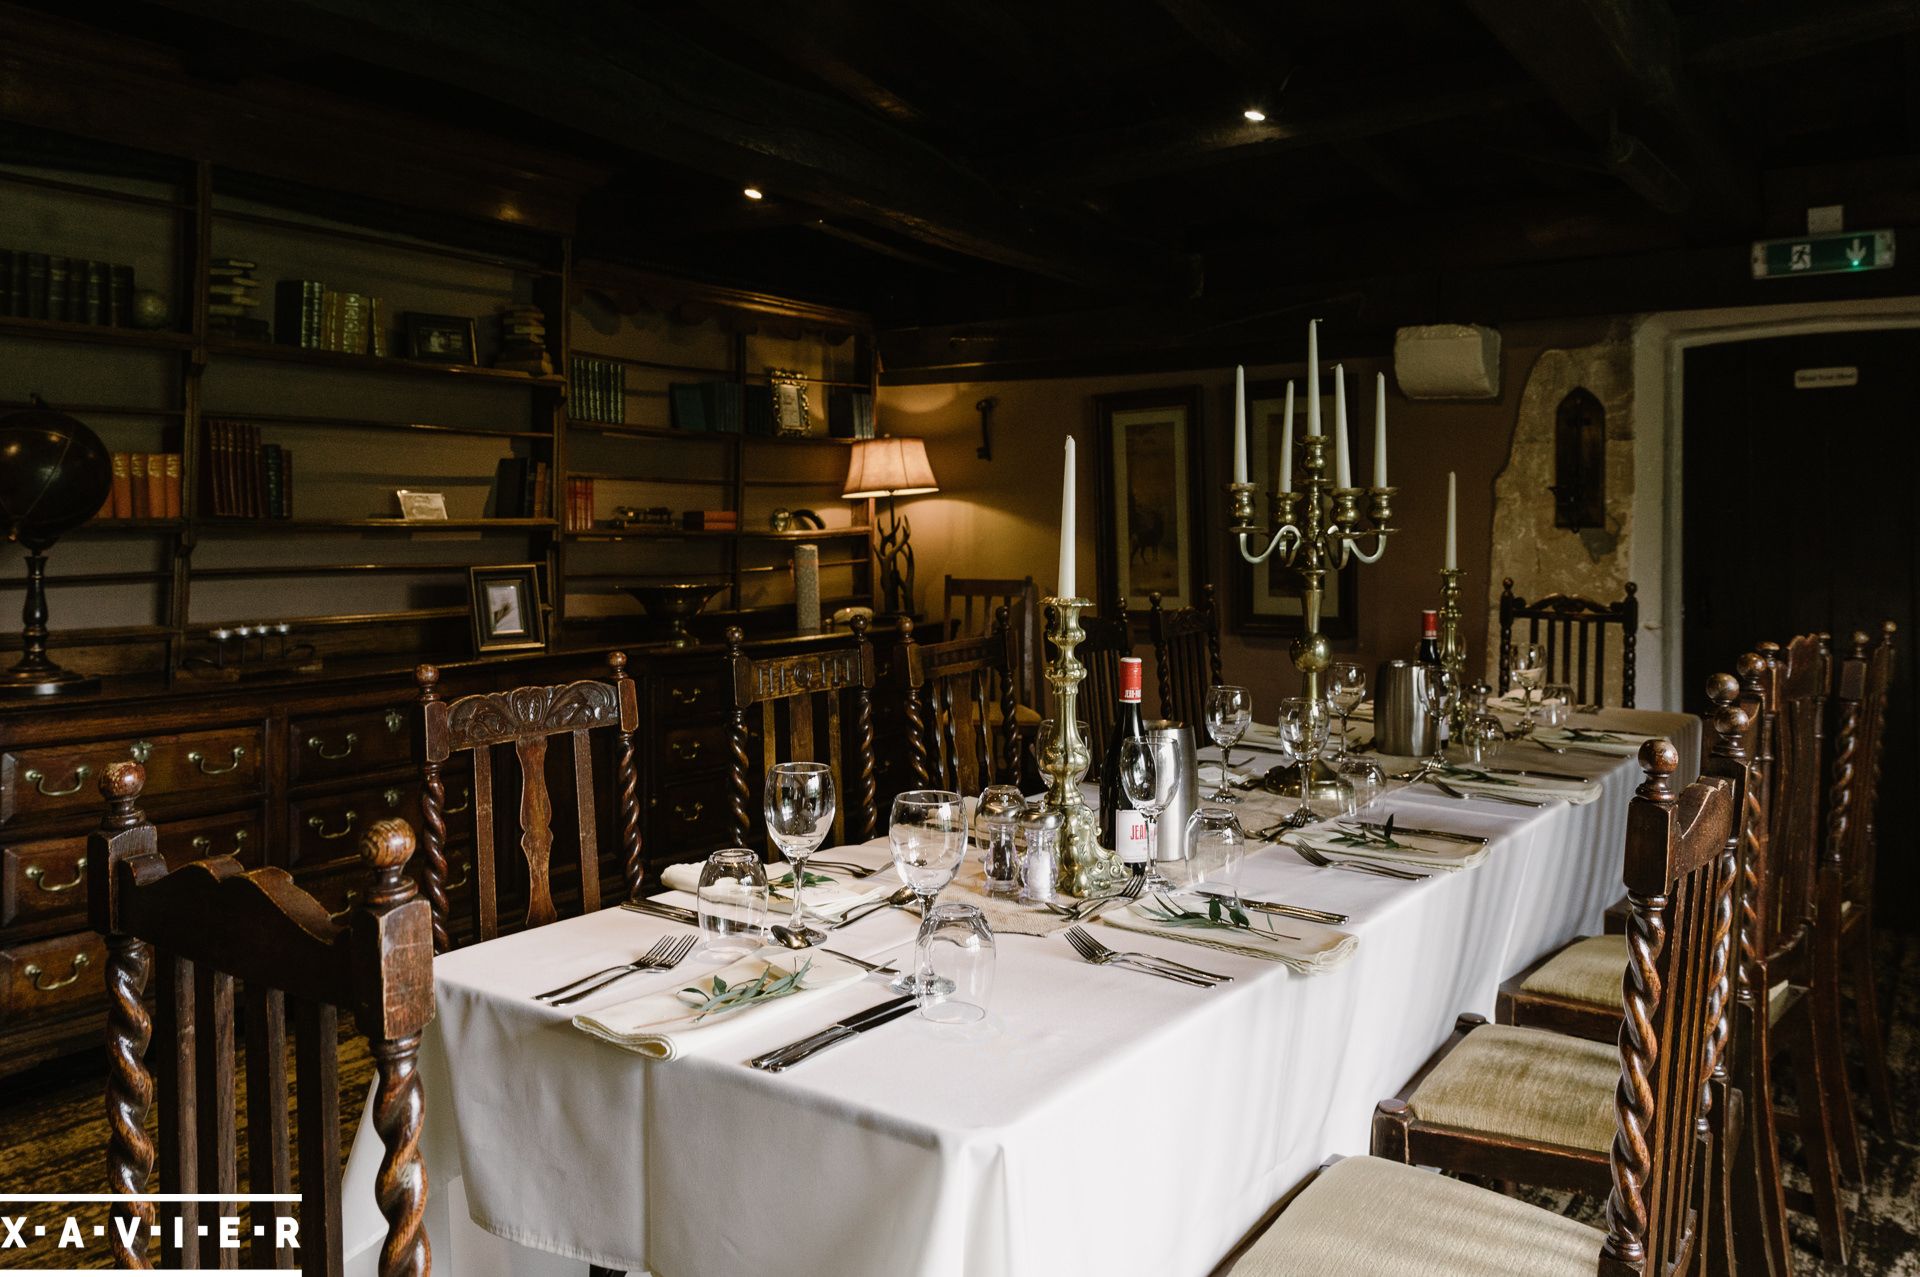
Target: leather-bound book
(156,485)
(122,498)
(137,482)
(286,483)
(173,485)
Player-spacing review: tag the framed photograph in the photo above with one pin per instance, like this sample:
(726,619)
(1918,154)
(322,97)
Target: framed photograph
(792,417)
(1152,498)
(1266,597)
(439,339)
(421,505)
(505,607)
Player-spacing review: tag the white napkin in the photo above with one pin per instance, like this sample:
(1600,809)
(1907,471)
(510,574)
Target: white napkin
(664,1024)
(1415,851)
(1306,947)
(1491,780)
(1594,739)
(825,899)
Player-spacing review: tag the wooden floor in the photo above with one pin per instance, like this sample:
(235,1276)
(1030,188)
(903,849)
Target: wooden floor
(53,1134)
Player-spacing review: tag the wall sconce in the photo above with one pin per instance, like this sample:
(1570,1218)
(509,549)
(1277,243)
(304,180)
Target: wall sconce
(1579,462)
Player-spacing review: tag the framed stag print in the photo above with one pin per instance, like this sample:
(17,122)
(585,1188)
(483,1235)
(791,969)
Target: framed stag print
(1266,596)
(1151,498)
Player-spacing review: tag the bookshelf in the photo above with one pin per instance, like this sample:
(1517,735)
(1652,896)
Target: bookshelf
(140,594)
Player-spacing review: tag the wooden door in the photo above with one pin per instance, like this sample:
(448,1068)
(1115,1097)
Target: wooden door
(1820,430)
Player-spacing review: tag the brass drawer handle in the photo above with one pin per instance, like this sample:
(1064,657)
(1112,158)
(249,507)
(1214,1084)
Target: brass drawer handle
(685,696)
(395,720)
(38,780)
(35,875)
(680,810)
(319,747)
(319,826)
(685,751)
(204,844)
(466,876)
(199,760)
(34,974)
(353,898)
(466,802)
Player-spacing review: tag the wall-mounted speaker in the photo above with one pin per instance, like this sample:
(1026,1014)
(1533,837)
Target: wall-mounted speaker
(1447,361)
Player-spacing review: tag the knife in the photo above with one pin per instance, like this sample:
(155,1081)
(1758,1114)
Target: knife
(1445,835)
(675,913)
(785,1057)
(1537,775)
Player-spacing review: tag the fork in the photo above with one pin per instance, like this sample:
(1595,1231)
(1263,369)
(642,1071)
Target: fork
(664,956)
(1094,904)
(1464,796)
(1098,954)
(848,868)
(1319,861)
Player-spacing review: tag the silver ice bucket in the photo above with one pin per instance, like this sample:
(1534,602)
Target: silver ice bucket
(1171,842)
(1400,722)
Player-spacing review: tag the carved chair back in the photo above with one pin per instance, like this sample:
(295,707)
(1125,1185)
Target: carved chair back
(1020,599)
(1865,681)
(1575,636)
(217,934)
(1793,685)
(1680,876)
(807,691)
(955,692)
(1186,654)
(1108,639)
(526,719)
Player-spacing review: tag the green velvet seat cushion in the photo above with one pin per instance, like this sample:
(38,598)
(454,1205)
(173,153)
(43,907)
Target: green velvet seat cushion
(1526,1084)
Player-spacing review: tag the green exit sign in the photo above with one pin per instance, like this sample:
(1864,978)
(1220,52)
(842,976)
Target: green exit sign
(1823,254)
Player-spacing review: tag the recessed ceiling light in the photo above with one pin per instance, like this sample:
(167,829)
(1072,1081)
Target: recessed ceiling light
(1254,115)
(755,193)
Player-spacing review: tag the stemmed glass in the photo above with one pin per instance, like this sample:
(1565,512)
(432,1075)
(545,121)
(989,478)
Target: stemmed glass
(928,835)
(1346,688)
(1148,772)
(1229,714)
(1303,730)
(1443,689)
(800,806)
(1528,664)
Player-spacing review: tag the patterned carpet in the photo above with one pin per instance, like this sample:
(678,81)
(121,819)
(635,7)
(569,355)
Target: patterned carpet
(52,1137)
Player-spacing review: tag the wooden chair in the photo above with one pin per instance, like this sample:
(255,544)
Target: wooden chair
(1656,1101)
(950,694)
(1021,600)
(1843,910)
(1186,654)
(1108,639)
(526,719)
(205,927)
(1576,639)
(809,687)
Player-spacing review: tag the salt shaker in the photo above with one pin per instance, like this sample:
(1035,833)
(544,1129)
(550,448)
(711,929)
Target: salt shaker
(1043,854)
(1000,808)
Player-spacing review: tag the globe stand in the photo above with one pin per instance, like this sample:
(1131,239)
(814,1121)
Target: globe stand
(35,675)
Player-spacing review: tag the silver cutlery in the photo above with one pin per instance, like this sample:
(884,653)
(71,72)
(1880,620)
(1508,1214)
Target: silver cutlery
(1535,775)
(785,1057)
(794,940)
(1087,908)
(659,909)
(848,868)
(899,899)
(1300,913)
(660,950)
(1464,796)
(1318,861)
(1575,748)
(1100,955)
(1445,835)
(671,956)
(877,968)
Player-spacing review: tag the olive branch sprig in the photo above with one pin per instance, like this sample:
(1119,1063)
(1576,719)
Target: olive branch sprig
(1371,840)
(1220,914)
(723,998)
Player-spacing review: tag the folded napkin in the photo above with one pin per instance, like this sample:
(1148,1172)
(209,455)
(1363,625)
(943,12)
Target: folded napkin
(664,1024)
(826,899)
(1493,780)
(1306,947)
(1626,744)
(1343,841)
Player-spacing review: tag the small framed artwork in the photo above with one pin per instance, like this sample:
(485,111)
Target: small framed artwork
(792,417)
(1266,596)
(1152,498)
(439,339)
(506,610)
(428,506)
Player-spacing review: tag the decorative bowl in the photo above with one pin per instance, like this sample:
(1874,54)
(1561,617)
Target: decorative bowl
(676,604)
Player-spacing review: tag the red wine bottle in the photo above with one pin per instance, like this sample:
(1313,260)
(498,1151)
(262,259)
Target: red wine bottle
(1428,653)
(1121,827)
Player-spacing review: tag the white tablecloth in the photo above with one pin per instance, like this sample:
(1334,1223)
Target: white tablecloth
(1099,1120)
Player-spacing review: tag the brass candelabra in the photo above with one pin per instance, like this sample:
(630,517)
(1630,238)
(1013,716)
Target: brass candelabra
(1453,646)
(1083,866)
(1319,531)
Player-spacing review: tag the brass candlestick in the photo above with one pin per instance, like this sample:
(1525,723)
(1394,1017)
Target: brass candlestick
(1453,646)
(1083,867)
(1323,541)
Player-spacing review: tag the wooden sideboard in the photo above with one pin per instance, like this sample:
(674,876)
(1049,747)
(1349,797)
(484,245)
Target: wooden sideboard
(288,774)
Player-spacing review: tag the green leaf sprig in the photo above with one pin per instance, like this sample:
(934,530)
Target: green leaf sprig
(1371,840)
(1220,914)
(1453,771)
(724,998)
(812,879)
(1594,736)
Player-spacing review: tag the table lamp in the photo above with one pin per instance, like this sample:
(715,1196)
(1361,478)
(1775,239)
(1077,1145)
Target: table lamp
(889,467)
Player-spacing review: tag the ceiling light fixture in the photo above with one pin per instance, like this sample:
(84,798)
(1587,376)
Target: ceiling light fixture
(754,193)
(1254,115)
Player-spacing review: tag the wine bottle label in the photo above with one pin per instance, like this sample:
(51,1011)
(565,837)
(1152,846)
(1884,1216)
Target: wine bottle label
(1429,624)
(1130,679)
(1130,836)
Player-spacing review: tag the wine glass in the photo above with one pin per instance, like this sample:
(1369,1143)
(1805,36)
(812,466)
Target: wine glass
(1443,689)
(1229,714)
(928,835)
(1346,688)
(800,806)
(1303,730)
(1148,772)
(1528,664)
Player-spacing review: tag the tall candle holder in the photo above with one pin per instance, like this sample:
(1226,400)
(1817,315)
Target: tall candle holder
(1083,867)
(1453,645)
(1324,540)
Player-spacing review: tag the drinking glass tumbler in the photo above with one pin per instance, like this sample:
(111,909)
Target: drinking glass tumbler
(733,902)
(954,959)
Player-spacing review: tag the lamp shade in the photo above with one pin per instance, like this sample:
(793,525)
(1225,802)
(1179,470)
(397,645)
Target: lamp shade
(889,468)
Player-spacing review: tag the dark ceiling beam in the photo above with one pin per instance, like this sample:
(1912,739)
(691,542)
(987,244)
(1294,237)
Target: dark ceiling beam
(1747,36)
(1225,36)
(609,71)
(1614,67)
(793,33)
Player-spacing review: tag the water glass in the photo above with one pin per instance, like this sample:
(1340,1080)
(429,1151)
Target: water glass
(953,959)
(1482,738)
(1216,846)
(1149,771)
(733,902)
(1556,704)
(928,836)
(799,809)
(1346,683)
(1229,714)
(1361,781)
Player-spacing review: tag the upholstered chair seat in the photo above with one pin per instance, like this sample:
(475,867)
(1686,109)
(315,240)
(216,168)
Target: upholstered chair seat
(1524,1084)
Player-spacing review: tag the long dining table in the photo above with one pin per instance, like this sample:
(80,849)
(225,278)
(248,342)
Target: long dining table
(1097,1121)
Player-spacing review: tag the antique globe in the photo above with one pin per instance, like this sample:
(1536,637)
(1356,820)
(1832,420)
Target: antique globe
(55,474)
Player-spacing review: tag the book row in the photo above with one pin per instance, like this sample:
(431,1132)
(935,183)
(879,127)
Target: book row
(146,485)
(597,391)
(244,477)
(76,290)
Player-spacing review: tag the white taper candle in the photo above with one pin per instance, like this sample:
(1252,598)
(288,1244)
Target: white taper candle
(1313,376)
(1342,465)
(1286,444)
(1067,547)
(1380,430)
(1453,554)
(1240,423)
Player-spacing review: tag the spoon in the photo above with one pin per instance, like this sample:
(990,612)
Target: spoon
(794,940)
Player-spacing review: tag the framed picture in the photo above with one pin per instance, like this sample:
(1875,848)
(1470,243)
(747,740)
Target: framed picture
(792,416)
(439,339)
(505,607)
(1266,596)
(1152,498)
(421,505)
